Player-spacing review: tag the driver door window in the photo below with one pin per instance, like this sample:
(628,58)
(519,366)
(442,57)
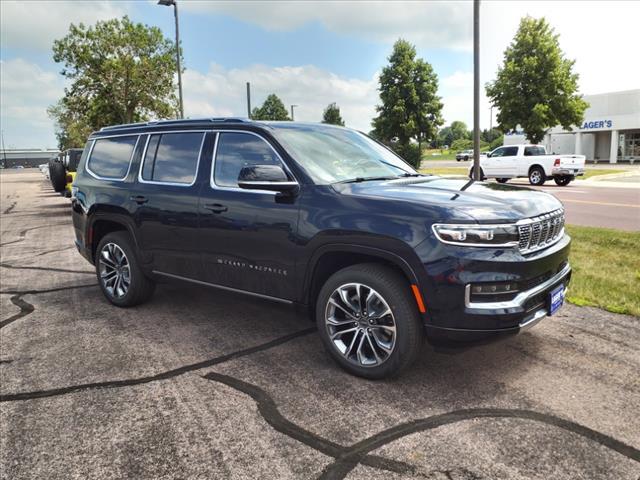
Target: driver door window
(235,150)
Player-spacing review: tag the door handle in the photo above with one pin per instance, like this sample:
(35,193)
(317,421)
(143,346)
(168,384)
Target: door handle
(139,199)
(215,207)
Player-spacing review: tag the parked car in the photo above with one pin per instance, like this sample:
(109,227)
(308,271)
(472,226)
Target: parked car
(62,170)
(532,162)
(323,218)
(464,155)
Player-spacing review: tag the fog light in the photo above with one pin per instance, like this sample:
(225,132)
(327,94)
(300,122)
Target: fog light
(493,288)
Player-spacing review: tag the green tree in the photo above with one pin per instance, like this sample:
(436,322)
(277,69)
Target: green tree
(490,135)
(411,108)
(459,131)
(120,72)
(462,144)
(332,115)
(536,87)
(271,109)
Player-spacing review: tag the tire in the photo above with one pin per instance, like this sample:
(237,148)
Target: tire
(562,181)
(354,350)
(58,176)
(139,288)
(537,176)
(466,159)
(502,180)
(457,159)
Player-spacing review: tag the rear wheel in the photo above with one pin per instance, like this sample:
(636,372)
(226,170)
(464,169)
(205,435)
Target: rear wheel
(119,274)
(502,180)
(482,177)
(562,181)
(368,321)
(536,176)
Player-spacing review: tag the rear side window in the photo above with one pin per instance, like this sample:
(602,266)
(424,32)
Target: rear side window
(172,158)
(533,151)
(510,152)
(237,150)
(111,157)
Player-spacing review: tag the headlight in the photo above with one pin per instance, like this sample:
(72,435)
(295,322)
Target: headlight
(477,235)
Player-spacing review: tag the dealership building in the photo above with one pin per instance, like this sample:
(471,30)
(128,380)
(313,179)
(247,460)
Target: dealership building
(610,131)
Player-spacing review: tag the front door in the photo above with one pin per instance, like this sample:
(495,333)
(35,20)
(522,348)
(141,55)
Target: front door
(165,202)
(502,162)
(247,237)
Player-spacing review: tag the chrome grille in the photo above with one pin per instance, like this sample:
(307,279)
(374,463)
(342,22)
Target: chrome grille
(541,231)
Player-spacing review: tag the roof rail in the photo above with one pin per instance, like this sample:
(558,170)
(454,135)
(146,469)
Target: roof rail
(187,121)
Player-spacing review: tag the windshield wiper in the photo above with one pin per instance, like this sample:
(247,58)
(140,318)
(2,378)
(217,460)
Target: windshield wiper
(366,179)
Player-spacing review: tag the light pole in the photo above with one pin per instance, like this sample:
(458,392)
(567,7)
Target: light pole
(168,3)
(248,100)
(476,89)
(490,118)
(292,107)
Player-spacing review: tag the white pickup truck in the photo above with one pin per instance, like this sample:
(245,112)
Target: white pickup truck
(531,161)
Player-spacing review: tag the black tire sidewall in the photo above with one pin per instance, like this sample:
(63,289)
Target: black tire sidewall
(562,181)
(57,176)
(395,290)
(542,179)
(138,281)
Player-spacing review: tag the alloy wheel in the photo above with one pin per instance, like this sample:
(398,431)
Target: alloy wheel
(115,272)
(360,325)
(535,177)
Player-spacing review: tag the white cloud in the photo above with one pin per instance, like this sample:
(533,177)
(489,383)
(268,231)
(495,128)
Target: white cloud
(222,92)
(26,90)
(36,24)
(428,24)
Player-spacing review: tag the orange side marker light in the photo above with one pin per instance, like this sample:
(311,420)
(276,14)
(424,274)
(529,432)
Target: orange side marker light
(418,295)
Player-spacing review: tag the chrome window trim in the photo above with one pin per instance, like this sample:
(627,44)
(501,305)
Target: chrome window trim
(174,184)
(112,179)
(215,186)
(519,300)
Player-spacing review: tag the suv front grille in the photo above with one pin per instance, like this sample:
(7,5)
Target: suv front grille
(541,231)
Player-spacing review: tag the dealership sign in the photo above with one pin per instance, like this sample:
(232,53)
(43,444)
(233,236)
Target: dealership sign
(597,124)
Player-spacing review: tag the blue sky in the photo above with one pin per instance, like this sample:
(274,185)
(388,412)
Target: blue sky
(309,53)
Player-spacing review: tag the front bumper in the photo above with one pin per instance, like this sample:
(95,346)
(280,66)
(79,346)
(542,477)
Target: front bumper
(455,315)
(573,172)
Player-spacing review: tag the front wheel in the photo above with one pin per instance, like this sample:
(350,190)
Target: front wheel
(119,274)
(562,181)
(537,176)
(368,321)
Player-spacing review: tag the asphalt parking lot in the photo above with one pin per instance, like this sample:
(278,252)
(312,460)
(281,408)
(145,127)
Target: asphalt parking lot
(200,383)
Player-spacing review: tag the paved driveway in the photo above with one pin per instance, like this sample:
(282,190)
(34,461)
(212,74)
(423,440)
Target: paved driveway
(204,384)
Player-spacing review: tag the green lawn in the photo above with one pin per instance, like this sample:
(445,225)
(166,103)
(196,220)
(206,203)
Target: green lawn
(594,172)
(606,269)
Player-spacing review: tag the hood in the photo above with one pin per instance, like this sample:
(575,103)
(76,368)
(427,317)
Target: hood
(482,201)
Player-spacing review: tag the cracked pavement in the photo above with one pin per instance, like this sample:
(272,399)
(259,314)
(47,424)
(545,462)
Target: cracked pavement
(200,383)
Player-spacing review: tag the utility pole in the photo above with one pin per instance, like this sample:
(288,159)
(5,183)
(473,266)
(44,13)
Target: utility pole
(476,89)
(490,118)
(168,3)
(4,151)
(292,117)
(248,100)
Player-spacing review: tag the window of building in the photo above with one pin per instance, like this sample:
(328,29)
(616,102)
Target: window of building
(237,150)
(111,157)
(172,158)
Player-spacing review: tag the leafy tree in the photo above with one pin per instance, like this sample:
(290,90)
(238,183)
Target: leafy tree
(445,137)
(411,109)
(120,72)
(459,131)
(536,87)
(498,142)
(490,135)
(462,144)
(332,115)
(271,109)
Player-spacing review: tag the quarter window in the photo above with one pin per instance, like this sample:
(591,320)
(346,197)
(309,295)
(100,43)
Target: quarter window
(533,151)
(172,158)
(237,150)
(110,157)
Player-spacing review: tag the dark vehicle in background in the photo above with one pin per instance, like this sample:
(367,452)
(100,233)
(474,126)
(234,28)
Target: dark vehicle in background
(323,218)
(62,170)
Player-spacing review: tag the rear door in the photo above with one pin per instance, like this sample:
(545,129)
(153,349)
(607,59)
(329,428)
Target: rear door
(526,161)
(247,237)
(164,201)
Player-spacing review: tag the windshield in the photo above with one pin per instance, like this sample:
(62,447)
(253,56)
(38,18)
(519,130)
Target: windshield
(330,154)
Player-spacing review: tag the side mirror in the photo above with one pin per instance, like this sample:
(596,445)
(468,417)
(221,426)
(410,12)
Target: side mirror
(488,154)
(266,177)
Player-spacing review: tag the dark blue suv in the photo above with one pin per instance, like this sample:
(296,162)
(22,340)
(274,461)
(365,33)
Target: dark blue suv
(324,218)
